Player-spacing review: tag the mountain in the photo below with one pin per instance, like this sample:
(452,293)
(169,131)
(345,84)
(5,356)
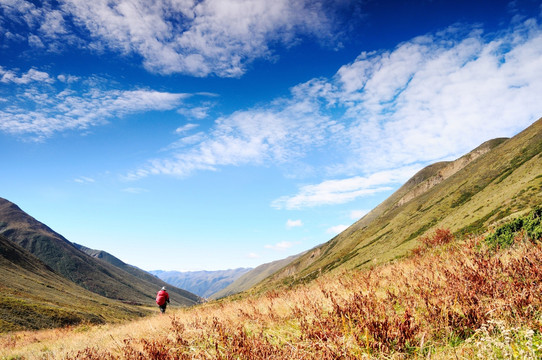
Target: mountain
(202,283)
(252,277)
(499,179)
(67,259)
(137,272)
(33,296)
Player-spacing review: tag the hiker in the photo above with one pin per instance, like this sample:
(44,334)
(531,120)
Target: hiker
(162,299)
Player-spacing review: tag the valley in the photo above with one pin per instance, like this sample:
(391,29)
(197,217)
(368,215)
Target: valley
(451,297)
(448,265)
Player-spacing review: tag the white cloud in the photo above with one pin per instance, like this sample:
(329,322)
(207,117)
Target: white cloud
(68,78)
(32,75)
(341,191)
(35,41)
(84,180)
(40,112)
(185,128)
(278,134)
(52,25)
(280,246)
(199,109)
(337,229)
(432,98)
(253,256)
(438,96)
(293,223)
(315,195)
(39,24)
(199,113)
(196,37)
(184,142)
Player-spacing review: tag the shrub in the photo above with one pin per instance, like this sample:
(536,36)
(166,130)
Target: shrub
(505,235)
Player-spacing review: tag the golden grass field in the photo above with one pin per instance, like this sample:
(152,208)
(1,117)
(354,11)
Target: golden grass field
(449,299)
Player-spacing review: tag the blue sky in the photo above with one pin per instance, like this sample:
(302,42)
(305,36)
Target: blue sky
(215,134)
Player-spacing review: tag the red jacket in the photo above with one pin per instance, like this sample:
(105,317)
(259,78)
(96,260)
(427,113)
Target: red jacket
(162,297)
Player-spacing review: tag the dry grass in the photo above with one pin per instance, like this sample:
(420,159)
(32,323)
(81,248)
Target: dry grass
(449,299)
(55,343)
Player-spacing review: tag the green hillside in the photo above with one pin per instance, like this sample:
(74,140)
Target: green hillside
(33,296)
(68,260)
(499,179)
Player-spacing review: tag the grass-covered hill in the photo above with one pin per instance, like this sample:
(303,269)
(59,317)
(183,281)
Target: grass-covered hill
(68,260)
(499,179)
(33,296)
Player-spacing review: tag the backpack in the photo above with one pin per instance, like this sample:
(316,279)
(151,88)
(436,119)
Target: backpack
(161,298)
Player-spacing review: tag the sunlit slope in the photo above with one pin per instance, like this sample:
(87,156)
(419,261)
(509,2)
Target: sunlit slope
(32,296)
(500,178)
(67,260)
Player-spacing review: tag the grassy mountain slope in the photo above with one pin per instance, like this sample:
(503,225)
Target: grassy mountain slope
(202,283)
(500,178)
(67,260)
(253,277)
(33,296)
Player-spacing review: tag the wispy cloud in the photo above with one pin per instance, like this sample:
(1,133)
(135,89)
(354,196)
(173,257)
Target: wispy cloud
(84,180)
(10,76)
(193,37)
(431,98)
(278,134)
(344,190)
(40,24)
(185,128)
(293,223)
(38,109)
(197,113)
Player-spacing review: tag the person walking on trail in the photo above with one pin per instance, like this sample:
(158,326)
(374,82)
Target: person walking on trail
(162,299)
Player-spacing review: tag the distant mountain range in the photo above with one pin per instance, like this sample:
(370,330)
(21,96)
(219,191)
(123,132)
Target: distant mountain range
(202,283)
